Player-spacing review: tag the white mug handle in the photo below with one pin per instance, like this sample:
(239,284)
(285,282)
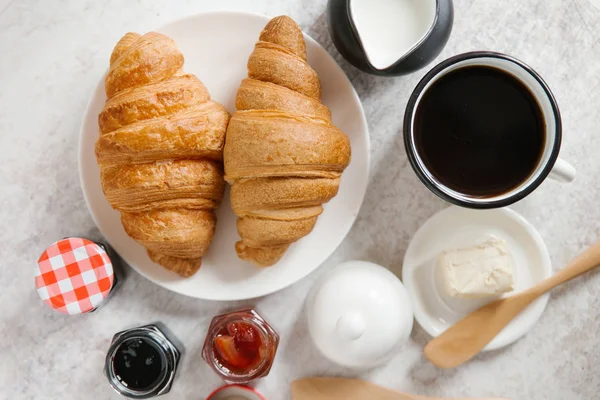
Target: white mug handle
(562,171)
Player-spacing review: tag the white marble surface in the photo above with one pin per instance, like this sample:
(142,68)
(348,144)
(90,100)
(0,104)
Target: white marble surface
(52,54)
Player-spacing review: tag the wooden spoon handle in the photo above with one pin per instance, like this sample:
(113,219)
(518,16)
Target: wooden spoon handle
(457,398)
(329,388)
(586,261)
(415,397)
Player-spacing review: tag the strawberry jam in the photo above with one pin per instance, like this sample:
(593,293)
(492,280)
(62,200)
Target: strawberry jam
(240,346)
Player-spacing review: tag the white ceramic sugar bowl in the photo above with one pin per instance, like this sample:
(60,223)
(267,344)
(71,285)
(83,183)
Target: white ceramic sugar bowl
(358,314)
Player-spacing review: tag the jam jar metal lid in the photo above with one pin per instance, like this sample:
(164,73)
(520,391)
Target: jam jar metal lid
(74,275)
(141,362)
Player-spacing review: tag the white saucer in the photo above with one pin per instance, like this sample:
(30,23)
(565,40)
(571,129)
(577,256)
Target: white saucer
(457,227)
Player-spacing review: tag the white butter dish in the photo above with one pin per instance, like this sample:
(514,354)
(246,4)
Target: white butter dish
(454,228)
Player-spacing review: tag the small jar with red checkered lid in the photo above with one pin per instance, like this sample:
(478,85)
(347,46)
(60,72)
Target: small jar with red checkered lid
(75,275)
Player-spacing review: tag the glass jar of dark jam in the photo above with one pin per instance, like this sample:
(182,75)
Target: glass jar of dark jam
(240,346)
(141,362)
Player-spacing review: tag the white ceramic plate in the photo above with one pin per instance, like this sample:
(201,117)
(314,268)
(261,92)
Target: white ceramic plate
(216,47)
(457,227)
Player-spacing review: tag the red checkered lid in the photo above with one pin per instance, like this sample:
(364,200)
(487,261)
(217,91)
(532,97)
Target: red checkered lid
(74,276)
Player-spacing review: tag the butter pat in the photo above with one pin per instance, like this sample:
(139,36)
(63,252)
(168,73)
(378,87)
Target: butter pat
(484,270)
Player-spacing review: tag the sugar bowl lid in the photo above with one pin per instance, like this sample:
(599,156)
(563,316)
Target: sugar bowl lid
(358,314)
(74,275)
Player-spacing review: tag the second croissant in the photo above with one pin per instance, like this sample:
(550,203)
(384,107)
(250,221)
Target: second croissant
(283,156)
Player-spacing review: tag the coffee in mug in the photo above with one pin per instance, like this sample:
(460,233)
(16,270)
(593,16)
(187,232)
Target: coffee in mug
(483,130)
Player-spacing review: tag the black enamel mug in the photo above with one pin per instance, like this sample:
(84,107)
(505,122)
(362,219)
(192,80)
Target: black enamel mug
(458,113)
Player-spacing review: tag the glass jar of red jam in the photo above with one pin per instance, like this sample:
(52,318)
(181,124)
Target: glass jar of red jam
(240,346)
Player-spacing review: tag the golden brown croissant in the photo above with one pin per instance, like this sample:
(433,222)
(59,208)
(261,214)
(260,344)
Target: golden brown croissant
(283,156)
(160,151)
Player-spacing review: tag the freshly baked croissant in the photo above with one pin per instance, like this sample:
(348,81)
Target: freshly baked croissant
(160,151)
(283,156)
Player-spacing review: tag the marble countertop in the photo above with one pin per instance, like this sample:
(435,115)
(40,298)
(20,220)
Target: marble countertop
(52,54)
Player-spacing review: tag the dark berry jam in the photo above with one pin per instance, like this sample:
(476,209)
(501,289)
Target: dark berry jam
(138,364)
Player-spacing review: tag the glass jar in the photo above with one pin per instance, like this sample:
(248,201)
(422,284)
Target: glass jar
(141,362)
(240,346)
